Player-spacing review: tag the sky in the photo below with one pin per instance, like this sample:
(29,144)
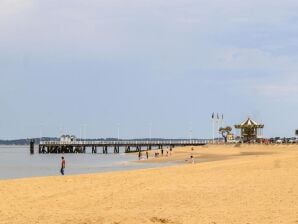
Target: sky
(93,67)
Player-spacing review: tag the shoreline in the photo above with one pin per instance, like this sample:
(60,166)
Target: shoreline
(178,157)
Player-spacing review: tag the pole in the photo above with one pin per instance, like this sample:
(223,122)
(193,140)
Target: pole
(213,127)
(190,133)
(217,127)
(40,133)
(61,130)
(118,131)
(80,133)
(150,131)
(222,121)
(84,131)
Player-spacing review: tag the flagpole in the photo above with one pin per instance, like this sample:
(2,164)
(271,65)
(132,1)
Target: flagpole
(213,127)
(213,130)
(222,120)
(218,123)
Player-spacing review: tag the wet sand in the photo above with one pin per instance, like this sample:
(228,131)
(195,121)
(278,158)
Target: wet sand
(248,184)
(209,153)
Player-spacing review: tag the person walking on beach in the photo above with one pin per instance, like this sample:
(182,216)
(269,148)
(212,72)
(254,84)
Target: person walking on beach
(147,155)
(62,165)
(192,159)
(140,155)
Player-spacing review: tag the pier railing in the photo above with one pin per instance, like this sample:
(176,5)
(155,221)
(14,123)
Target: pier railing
(129,145)
(127,142)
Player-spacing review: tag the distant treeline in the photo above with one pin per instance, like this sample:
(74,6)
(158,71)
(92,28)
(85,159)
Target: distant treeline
(15,142)
(25,141)
(37,140)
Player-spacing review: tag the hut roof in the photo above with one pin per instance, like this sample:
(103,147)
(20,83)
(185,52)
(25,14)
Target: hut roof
(249,123)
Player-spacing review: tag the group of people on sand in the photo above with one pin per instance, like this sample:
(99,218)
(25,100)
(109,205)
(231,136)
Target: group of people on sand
(156,154)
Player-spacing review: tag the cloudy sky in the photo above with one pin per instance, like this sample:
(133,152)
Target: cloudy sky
(168,64)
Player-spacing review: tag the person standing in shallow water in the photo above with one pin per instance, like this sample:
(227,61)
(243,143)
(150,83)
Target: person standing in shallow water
(62,165)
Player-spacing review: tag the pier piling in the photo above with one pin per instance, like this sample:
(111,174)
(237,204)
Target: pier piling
(32,147)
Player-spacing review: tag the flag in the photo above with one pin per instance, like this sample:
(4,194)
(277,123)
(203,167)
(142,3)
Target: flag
(212,115)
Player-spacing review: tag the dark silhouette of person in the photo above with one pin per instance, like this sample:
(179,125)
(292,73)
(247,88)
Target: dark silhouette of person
(62,166)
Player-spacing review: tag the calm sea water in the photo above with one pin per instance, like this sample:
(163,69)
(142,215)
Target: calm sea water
(16,162)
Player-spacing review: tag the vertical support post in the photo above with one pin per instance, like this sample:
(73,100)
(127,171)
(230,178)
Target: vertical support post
(127,149)
(105,149)
(32,147)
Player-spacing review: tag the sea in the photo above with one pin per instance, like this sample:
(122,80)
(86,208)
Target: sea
(16,162)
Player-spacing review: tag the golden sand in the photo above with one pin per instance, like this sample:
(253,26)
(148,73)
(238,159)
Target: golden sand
(248,184)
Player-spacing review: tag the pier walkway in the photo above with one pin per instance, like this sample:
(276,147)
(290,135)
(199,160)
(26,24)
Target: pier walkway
(129,145)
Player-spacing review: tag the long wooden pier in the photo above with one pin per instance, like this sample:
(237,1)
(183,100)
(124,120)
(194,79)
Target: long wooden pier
(105,146)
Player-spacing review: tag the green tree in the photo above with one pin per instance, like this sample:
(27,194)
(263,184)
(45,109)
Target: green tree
(224,131)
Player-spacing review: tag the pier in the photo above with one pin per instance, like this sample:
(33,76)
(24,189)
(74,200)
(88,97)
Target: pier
(113,146)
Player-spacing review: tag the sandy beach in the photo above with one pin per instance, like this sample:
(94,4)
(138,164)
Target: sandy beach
(227,184)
